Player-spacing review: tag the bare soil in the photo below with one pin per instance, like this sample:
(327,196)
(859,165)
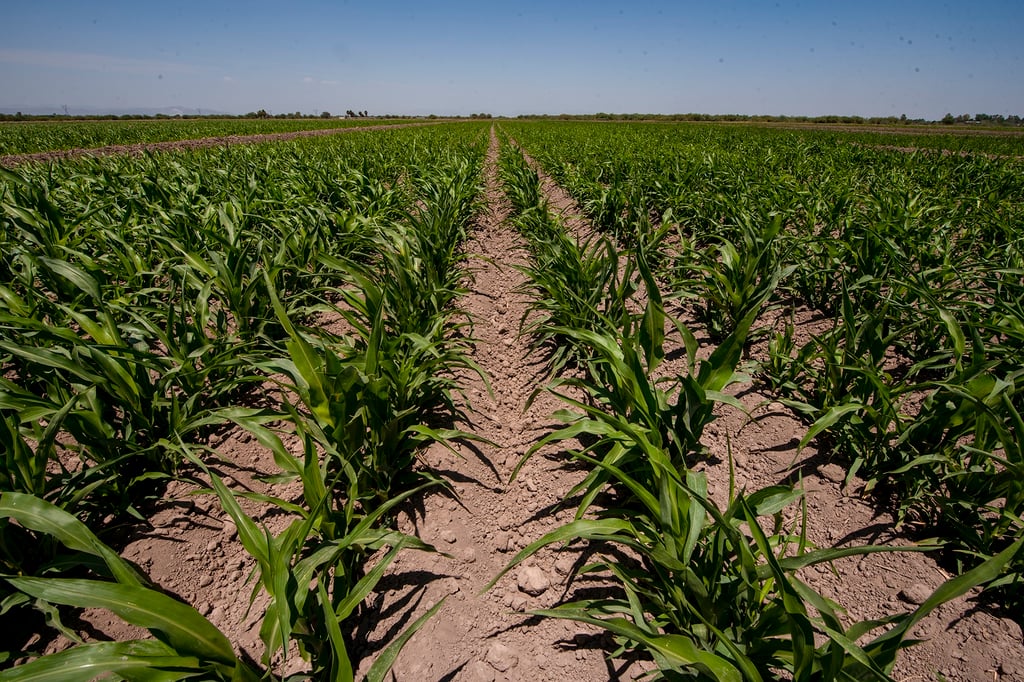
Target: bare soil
(192,550)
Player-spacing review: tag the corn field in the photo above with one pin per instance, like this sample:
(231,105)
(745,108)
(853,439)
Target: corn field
(148,303)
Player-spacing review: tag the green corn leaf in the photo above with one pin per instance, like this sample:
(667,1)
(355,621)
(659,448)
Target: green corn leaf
(252,420)
(675,652)
(827,420)
(75,275)
(41,516)
(340,664)
(884,648)
(366,584)
(956,334)
(588,529)
(178,625)
(52,359)
(140,660)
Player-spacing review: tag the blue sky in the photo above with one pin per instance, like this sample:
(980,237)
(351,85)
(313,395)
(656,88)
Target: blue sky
(813,58)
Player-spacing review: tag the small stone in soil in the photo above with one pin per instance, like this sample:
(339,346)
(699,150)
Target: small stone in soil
(915,594)
(564,564)
(532,581)
(478,671)
(833,472)
(501,657)
(448,536)
(501,541)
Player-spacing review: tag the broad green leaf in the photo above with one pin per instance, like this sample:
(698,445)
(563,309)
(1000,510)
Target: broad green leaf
(179,625)
(827,420)
(140,660)
(41,516)
(678,651)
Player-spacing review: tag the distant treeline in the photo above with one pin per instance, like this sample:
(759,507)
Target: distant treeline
(948,119)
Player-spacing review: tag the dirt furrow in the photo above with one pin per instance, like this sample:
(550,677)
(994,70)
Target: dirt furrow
(487,636)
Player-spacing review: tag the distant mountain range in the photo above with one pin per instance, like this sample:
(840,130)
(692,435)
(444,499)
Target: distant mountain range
(108,111)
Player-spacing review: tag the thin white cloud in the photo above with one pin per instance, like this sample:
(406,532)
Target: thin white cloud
(85,61)
(307,79)
(328,82)
(228,79)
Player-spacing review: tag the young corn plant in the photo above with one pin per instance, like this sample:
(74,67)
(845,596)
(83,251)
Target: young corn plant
(963,470)
(579,285)
(126,414)
(631,414)
(838,384)
(376,399)
(315,552)
(315,571)
(734,279)
(712,595)
(183,645)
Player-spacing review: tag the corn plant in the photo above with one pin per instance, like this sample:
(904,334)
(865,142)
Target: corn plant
(962,468)
(315,572)
(732,280)
(184,644)
(578,284)
(711,594)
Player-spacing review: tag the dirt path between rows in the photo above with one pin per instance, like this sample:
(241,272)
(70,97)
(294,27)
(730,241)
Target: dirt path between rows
(485,637)
(13,160)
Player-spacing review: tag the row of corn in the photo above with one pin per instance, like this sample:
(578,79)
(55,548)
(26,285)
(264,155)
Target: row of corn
(147,303)
(706,591)
(913,263)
